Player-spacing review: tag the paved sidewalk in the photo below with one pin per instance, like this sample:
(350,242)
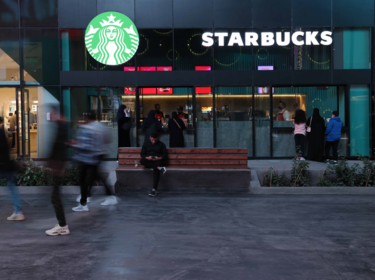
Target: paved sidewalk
(180,237)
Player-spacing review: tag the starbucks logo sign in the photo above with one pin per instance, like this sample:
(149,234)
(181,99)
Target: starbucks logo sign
(111,38)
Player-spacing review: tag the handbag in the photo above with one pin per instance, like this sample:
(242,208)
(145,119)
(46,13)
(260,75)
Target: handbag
(126,126)
(308,129)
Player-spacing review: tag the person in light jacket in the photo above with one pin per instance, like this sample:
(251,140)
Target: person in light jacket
(333,136)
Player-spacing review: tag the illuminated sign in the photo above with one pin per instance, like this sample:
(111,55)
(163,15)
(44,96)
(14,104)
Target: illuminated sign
(111,38)
(298,38)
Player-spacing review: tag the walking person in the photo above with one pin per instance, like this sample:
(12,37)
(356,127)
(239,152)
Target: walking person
(7,171)
(153,153)
(176,135)
(90,149)
(333,136)
(150,125)
(299,125)
(315,136)
(56,163)
(123,126)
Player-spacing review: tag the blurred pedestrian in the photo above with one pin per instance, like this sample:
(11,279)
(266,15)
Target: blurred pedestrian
(315,136)
(56,163)
(7,171)
(91,146)
(153,153)
(150,125)
(123,126)
(176,135)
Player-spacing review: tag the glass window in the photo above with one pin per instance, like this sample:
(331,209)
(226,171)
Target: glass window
(234,125)
(312,57)
(74,55)
(352,48)
(277,56)
(205,128)
(165,101)
(262,114)
(189,52)
(9,16)
(234,57)
(41,56)
(111,99)
(155,48)
(359,120)
(39,13)
(9,57)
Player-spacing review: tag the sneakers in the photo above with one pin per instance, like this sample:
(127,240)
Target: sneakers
(57,230)
(80,208)
(16,217)
(152,193)
(163,169)
(301,158)
(334,162)
(326,161)
(110,200)
(79,199)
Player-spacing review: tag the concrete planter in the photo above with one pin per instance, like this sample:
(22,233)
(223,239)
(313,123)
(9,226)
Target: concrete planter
(256,188)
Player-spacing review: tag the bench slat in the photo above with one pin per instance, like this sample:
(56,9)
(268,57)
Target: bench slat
(129,167)
(189,156)
(193,162)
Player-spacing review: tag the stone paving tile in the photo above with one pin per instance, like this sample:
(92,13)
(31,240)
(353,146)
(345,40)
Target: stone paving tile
(194,237)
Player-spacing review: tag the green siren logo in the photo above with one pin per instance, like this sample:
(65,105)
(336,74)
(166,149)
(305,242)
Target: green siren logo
(111,38)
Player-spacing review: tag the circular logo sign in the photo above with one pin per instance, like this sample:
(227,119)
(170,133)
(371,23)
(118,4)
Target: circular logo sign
(111,38)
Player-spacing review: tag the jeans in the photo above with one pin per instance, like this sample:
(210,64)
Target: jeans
(334,145)
(87,178)
(154,165)
(11,182)
(300,144)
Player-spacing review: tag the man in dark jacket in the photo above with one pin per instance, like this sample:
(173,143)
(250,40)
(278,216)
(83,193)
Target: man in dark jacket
(333,136)
(153,153)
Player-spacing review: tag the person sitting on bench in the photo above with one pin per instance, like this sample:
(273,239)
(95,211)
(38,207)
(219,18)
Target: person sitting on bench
(153,153)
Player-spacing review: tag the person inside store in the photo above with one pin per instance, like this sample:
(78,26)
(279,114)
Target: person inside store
(283,114)
(176,135)
(159,115)
(315,136)
(32,119)
(333,136)
(123,125)
(153,153)
(299,126)
(150,125)
(13,127)
(181,114)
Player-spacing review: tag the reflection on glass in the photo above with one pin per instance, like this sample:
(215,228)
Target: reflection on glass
(9,57)
(189,51)
(9,16)
(74,55)
(165,101)
(234,126)
(312,57)
(111,99)
(262,123)
(41,56)
(39,13)
(232,57)
(277,56)
(352,48)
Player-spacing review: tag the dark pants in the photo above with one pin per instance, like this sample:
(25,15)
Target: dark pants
(101,176)
(300,144)
(334,145)
(87,178)
(154,165)
(56,201)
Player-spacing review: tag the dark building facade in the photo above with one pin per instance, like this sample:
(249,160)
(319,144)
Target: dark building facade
(230,94)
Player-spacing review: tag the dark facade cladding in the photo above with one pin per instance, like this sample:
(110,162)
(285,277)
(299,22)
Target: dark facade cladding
(45,40)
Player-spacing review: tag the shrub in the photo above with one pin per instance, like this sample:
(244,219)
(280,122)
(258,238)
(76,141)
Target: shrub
(30,174)
(273,179)
(366,175)
(323,181)
(71,176)
(299,173)
(346,176)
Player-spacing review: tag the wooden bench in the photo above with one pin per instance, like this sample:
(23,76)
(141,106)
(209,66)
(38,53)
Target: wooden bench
(189,170)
